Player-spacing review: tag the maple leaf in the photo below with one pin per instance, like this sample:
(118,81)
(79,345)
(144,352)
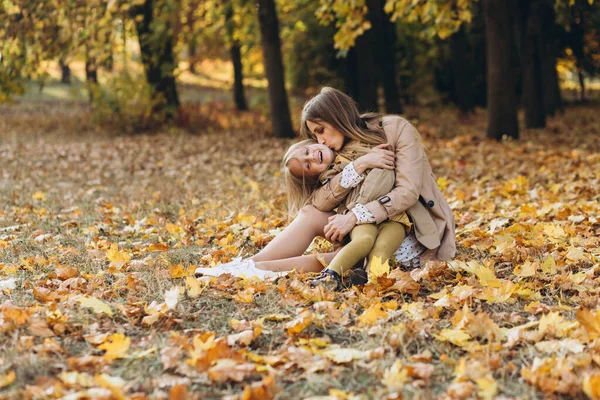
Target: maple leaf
(97,305)
(299,324)
(377,268)
(488,388)
(591,386)
(117,258)
(372,315)
(341,355)
(193,287)
(454,336)
(172,297)
(395,377)
(591,321)
(116,345)
(525,270)
(7,379)
(227,369)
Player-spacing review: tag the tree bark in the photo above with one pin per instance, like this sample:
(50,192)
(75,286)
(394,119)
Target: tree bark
(548,45)
(157,57)
(65,72)
(271,45)
(581,85)
(501,97)
(387,61)
(531,63)
(192,54)
(366,73)
(462,72)
(577,42)
(239,97)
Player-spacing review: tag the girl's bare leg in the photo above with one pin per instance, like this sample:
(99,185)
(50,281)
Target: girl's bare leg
(296,237)
(307,263)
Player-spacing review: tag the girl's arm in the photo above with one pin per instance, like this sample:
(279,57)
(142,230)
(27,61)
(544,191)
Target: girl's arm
(335,190)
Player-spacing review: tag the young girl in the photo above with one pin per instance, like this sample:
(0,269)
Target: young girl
(309,165)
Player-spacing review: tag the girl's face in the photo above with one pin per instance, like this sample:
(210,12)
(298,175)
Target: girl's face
(326,134)
(311,160)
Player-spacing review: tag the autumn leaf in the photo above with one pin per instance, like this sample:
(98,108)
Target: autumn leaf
(377,268)
(116,345)
(227,369)
(455,336)
(7,379)
(117,258)
(591,386)
(300,323)
(525,270)
(342,355)
(97,305)
(395,377)
(372,315)
(591,321)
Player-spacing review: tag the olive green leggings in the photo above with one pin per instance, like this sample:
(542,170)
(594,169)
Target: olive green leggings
(375,241)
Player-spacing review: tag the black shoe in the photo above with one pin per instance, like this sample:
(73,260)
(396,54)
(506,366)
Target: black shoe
(358,276)
(328,280)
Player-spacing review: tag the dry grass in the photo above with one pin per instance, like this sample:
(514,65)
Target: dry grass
(85,189)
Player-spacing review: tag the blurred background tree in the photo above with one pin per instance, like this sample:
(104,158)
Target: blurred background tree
(142,57)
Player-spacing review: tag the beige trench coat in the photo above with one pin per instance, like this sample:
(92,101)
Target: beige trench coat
(415,191)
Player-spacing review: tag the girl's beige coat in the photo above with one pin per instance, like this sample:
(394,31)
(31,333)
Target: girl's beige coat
(433,220)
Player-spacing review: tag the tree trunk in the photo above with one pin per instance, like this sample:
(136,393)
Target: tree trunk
(271,45)
(350,73)
(192,54)
(387,61)
(157,57)
(239,97)
(577,42)
(501,96)
(91,72)
(531,68)
(581,84)
(549,44)
(65,72)
(366,73)
(462,72)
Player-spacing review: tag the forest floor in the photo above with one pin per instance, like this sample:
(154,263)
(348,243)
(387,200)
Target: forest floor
(100,234)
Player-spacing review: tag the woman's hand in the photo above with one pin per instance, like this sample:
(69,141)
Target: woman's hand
(339,226)
(379,157)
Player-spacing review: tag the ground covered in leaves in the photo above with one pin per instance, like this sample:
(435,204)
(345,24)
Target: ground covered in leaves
(100,234)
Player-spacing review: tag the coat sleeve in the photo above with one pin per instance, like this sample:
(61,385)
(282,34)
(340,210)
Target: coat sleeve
(410,165)
(330,195)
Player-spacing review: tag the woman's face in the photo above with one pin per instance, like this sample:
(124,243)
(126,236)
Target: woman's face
(326,134)
(311,160)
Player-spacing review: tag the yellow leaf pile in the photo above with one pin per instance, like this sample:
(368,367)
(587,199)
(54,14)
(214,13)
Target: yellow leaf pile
(100,236)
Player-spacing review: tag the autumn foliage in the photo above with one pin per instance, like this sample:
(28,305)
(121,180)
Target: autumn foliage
(100,235)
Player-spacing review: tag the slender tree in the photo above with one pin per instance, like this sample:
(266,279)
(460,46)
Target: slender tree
(529,28)
(501,99)
(239,98)
(271,45)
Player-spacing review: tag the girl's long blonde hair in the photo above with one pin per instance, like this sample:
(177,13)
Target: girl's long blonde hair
(298,189)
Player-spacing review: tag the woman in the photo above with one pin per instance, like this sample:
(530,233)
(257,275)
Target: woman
(332,118)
